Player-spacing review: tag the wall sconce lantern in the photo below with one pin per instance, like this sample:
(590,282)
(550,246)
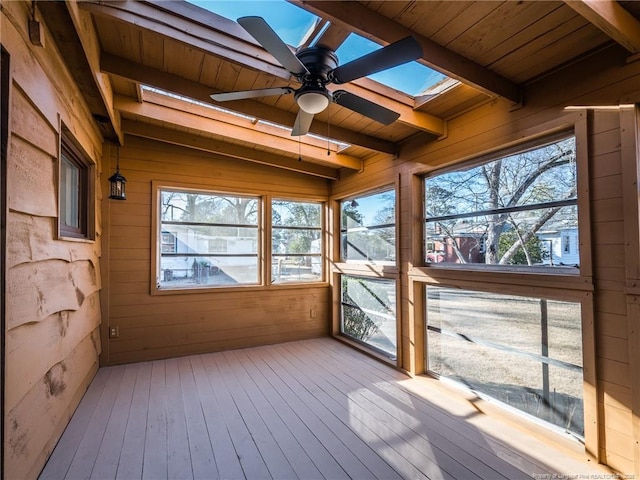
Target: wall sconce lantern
(117,181)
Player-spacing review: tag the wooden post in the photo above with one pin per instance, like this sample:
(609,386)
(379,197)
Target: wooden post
(4,144)
(544,340)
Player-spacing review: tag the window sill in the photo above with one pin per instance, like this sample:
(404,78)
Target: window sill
(368,269)
(66,238)
(363,348)
(237,288)
(476,277)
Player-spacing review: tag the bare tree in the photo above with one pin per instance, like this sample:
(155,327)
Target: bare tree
(492,198)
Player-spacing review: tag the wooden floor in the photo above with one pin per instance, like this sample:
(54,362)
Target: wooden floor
(310,409)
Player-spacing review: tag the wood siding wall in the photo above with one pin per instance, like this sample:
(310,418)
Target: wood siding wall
(616,441)
(161,326)
(604,79)
(53,286)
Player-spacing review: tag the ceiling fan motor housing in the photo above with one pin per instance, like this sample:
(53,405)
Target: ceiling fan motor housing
(316,67)
(319,61)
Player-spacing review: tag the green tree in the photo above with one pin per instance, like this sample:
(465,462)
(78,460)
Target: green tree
(531,253)
(296,214)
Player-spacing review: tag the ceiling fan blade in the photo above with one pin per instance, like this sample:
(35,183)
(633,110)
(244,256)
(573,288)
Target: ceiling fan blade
(241,95)
(302,123)
(264,34)
(392,55)
(365,107)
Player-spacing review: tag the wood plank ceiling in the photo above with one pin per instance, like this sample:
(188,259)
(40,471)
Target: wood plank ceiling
(489,49)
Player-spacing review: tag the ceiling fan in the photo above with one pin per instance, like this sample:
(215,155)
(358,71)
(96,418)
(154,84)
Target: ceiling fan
(316,67)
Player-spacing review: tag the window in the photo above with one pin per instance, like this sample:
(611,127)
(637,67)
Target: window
(523,351)
(218,245)
(290,22)
(208,239)
(369,313)
(168,242)
(296,241)
(411,78)
(74,190)
(505,211)
(368,228)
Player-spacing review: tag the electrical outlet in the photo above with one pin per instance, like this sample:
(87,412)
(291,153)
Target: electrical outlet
(114,332)
(312,313)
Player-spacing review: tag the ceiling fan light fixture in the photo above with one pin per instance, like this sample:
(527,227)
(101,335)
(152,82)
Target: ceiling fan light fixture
(313,102)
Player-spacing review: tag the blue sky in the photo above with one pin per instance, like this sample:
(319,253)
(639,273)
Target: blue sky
(291,23)
(411,78)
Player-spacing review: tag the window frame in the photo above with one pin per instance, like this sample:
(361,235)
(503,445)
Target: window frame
(71,152)
(550,294)
(549,283)
(378,351)
(322,230)
(369,263)
(157,233)
(384,270)
(581,205)
(263,238)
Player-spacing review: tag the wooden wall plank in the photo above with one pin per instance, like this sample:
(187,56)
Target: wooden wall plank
(31,189)
(36,423)
(33,239)
(38,346)
(30,125)
(177,323)
(56,286)
(52,285)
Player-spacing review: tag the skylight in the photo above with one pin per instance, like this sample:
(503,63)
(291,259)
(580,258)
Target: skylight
(411,78)
(291,23)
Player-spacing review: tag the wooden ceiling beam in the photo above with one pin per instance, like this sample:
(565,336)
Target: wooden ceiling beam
(219,147)
(368,23)
(91,46)
(78,42)
(408,116)
(320,24)
(223,38)
(610,17)
(172,83)
(171,112)
(333,37)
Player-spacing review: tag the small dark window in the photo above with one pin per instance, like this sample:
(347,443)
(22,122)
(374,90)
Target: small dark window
(73,190)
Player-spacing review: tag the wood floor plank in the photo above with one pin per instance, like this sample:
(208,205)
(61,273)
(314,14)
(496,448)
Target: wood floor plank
(155,445)
(85,457)
(251,461)
(374,422)
(350,463)
(269,448)
(106,464)
(462,433)
(384,461)
(428,432)
(311,446)
(302,410)
(178,448)
(132,455)
(227,461)
(374,467)
(298,459)
(62,456)
(202,460)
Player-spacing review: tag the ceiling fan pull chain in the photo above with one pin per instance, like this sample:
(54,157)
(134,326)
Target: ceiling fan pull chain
(328,135)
